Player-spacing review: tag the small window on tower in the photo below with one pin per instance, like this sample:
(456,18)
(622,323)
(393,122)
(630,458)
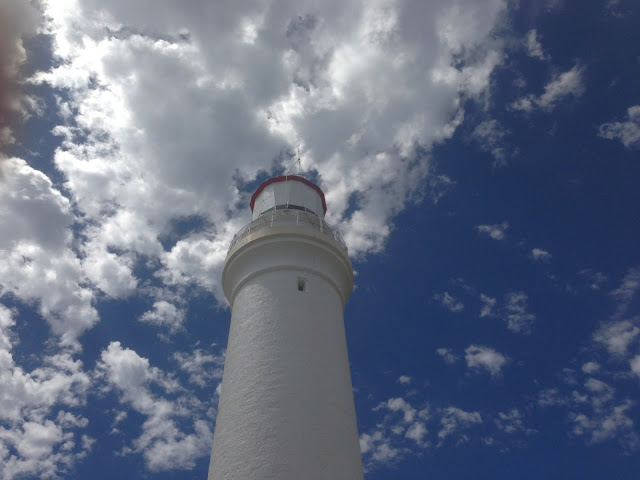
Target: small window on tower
(302,284)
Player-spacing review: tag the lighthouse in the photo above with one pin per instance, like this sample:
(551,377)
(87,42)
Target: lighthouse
(286,409)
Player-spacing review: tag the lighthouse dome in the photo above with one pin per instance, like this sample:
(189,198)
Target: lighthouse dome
(288,192)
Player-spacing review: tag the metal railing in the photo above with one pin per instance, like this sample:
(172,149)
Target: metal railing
(289,217)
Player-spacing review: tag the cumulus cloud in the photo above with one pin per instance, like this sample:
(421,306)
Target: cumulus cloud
(617,336)
(455,420)
(606,421)
(110,273)
(447,355)
(518,319)
(37,262)
(399,404)
(561,86)
(590,367)
(354,98)
(597,397)
(628,131)
(401,432)
(496,231)
(449,302)
(439,186)
(635,365)
(40,434)
(511,422)
(203,367)
(164,129)
(596,412)
(618,10)
(488,305)
(386,444)
(600,409)
(162,441)
(377,449)
(404,379)
(595,279)
(398,435)
(480,357)
(550,397)
(417,432)
(534,48)
(628,288)
(164,314)
(540,255)
(490,135)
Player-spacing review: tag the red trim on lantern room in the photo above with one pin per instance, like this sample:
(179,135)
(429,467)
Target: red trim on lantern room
(283,178)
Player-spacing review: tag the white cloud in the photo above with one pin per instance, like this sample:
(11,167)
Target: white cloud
(36,211)
(540,255)
(635,365)
(628,288)
(455,419)
(377,450)
(155,128)
(447,355)
(617,336)
(565,84)
(163,443)
(488,304)
(131,374)
(595,385)
(597,392)
(164,314)
(109,272)
(518,319)
(570,83)
(439,186)
(386,444)
(480,357)
(595,279)
(490,135)
(590,367)
(397,435)
(204,367)
(551,397)
(511,422)
(619,10)
(607,424)
(448,301)
(37,263)
(534,48)
(404,379)
(399,404)
(496,231)
(36,419)
(417,432)
(346,84)
(41,450)
(599,410)
(628,131)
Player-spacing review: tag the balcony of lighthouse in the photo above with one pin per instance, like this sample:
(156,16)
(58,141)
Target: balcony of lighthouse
(287,219)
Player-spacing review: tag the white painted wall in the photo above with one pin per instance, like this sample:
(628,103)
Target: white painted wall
(286,410)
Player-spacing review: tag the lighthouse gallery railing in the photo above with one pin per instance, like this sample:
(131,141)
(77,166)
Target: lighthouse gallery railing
(289,217)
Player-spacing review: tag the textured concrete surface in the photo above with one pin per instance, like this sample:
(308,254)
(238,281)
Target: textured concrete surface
(286,410)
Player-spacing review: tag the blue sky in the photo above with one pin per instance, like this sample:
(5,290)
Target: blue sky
(481,159)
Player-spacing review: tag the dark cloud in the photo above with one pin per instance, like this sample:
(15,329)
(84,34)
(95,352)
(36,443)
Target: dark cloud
(18,19)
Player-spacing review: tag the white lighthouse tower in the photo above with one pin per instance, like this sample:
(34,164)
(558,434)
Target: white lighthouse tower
(286,411)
